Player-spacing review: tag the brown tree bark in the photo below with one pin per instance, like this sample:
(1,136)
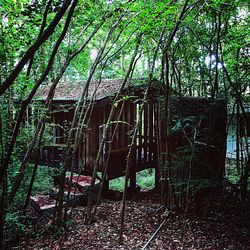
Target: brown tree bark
(79,120)
(20,116)
(105,132)
(28,100)
(129,160)
(30,52)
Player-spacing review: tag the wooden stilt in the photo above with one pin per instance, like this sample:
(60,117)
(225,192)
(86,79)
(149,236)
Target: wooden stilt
(105,187)
(132,183)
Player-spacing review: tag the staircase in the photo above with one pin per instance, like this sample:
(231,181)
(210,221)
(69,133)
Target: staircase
(45,203)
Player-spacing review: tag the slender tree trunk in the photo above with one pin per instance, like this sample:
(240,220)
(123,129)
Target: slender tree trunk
(216,79)
(134,137)
(37,158)
(30,52)
(22,111)
(80,117)
(105,132)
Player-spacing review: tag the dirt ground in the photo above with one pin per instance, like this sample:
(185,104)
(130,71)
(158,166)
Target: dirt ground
(221,227)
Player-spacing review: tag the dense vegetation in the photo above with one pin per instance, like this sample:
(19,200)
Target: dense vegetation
(193,48)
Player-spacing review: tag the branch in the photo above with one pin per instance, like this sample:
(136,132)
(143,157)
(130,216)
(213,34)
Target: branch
(28,100)
(31,51)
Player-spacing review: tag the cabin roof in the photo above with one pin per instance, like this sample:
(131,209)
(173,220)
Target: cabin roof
(73,90)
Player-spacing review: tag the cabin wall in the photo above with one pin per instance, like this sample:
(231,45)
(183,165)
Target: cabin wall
(62,114)
(198,131)
(143,155)
(203,115)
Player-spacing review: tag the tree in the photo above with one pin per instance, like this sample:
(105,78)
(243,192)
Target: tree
(194,48)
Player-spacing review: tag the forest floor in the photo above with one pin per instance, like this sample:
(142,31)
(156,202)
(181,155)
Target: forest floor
(220,227)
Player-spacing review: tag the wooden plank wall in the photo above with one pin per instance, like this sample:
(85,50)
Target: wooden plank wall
(143,152)
(209,160)
(209,118)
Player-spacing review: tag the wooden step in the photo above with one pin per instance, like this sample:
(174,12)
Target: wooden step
(75,196)
(82,182)
(79,190)
(78,195)
(43,203)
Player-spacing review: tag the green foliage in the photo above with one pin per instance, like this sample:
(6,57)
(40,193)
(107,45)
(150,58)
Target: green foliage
(145,179)
(117,184)
(233,174)
(43,182)
(211,43)
(43,178)
(14,225)
(81,64)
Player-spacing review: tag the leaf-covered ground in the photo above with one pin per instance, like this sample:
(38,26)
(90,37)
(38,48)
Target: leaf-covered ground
(221,227)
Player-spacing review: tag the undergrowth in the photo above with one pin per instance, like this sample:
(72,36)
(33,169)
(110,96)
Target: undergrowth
(145,179)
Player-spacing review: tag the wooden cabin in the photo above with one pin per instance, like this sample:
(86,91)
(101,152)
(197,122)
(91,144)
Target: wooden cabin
(210,141)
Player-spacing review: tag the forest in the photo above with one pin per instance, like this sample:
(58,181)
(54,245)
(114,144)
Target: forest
(124,124)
